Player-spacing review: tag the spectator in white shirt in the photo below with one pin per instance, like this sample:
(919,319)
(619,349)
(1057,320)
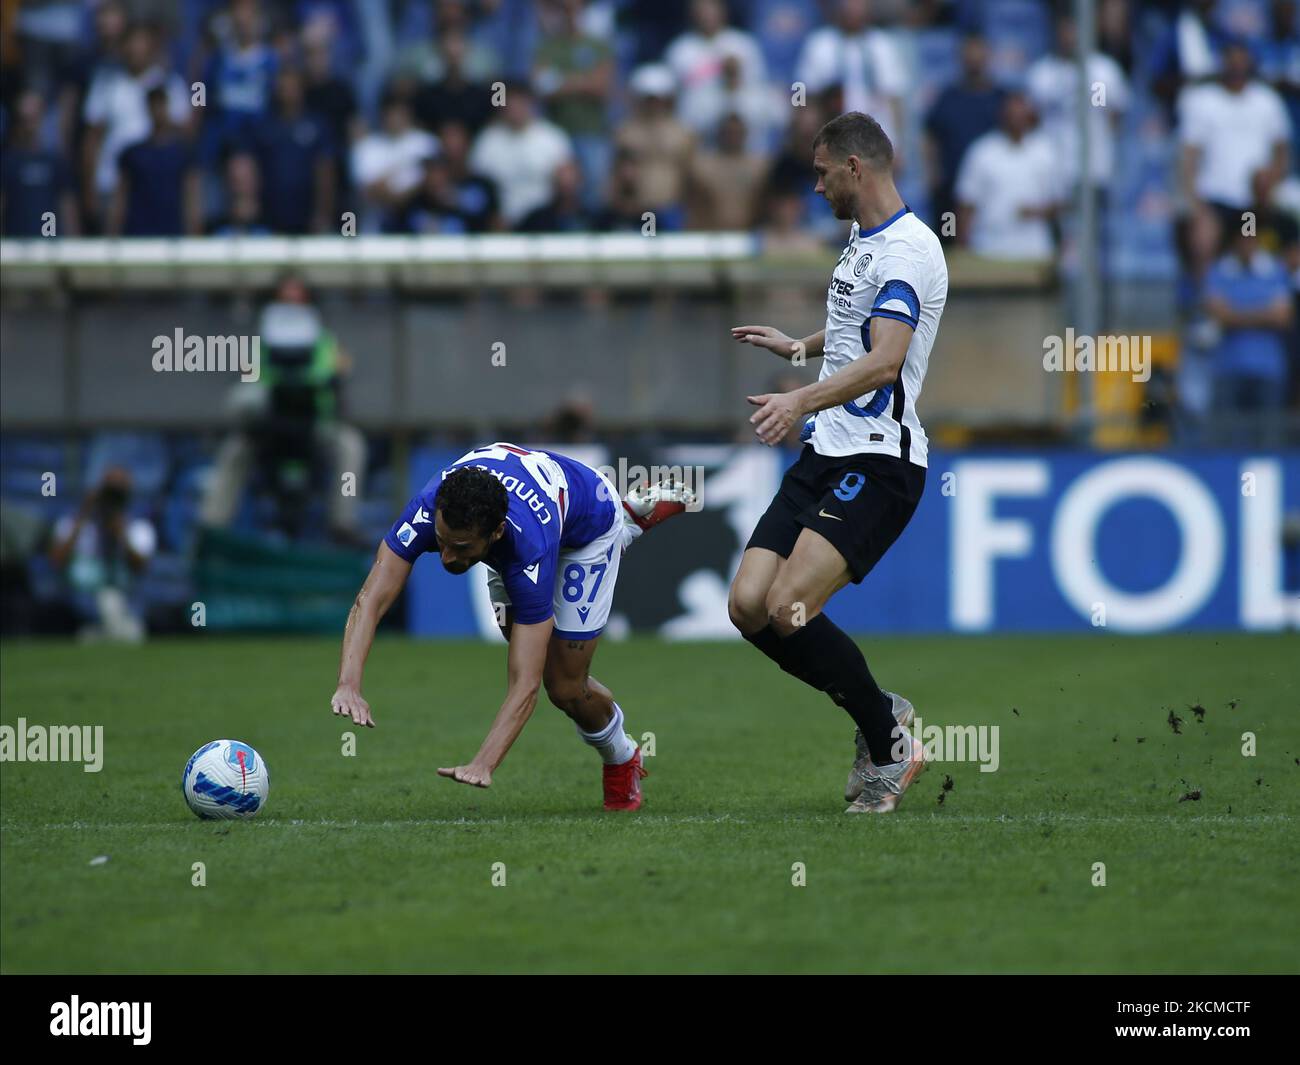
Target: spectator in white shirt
(1008,189)
(1053,85)
(1229,130)
(863,63)
(719,71)
(520,152)
(388,164)
(117,113)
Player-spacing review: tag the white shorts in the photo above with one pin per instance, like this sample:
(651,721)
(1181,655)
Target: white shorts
(584,584)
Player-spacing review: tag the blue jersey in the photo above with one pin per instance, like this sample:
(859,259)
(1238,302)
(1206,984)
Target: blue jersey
(555,503)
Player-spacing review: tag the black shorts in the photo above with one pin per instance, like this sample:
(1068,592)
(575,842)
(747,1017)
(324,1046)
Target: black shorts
(860,503)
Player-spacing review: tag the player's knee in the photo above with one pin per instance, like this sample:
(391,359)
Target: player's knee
(780,614)
(565,692)
(747,608)
(788,609)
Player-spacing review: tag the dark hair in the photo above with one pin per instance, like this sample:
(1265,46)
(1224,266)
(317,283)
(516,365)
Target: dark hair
(857,134)
(393,96)
(1015,92)
(1233,41)
(149,26)
(471,498)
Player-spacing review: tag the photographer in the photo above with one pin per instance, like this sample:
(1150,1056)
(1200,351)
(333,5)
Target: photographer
(290,430)
(102,551)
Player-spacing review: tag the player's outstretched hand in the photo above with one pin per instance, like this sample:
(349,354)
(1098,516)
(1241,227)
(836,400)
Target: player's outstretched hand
(777,412)
(347,702)
(764,336)
(478,775)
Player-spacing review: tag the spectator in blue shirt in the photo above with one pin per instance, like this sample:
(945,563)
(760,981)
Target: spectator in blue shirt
(36,192)
(240,79)
(1279,58)
(454,97)
(564,213)
(296,156)
(963,113)
(452,197)
(157,192)
(1248,294)
(331,98)
(242,197)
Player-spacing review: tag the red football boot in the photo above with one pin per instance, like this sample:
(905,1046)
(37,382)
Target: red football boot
(651,504)
(623,784)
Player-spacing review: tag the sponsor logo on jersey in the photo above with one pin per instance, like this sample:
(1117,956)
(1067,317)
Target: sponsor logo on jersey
(840,293)
(423,516)
(531,572)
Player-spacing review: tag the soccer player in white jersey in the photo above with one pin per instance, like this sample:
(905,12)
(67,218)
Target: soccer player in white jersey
(859,477)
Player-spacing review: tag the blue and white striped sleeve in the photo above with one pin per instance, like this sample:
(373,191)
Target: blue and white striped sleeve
(897,299)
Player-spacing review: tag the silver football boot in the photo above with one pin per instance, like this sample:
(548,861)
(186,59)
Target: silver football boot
(904,714)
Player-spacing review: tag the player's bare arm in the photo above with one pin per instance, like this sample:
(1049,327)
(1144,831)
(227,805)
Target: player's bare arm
(382,586)
(775,341)
(552,544)
(525,665)
(777,412)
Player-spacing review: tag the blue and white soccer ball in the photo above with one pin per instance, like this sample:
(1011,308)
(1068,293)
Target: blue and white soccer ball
(226,779)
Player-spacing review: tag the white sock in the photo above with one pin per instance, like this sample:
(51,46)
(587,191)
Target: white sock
(612,744)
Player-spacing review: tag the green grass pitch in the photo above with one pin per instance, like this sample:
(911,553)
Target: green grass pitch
(373,863)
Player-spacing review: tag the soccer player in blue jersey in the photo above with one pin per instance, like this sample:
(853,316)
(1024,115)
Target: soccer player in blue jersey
(552,531)
(859,477)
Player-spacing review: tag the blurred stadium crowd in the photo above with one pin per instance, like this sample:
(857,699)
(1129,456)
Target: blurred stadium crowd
(310,108)
(329,116)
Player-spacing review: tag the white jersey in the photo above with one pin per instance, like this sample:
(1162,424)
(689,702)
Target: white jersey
(896,270)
